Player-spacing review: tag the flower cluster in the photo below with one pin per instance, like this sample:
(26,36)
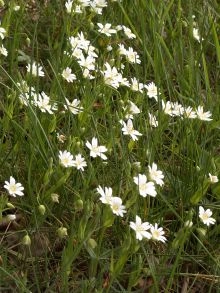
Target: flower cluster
(148,187)
(113,201)
(147,230)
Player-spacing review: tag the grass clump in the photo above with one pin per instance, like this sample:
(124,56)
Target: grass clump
(109,146)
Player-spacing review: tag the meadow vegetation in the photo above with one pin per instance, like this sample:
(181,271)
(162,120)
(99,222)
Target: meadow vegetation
(109,146)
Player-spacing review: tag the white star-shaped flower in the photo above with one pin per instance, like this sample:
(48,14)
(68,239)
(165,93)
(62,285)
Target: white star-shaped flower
(128,129)
(68,75)
(141,229)
(66,159)
(117,207)
(106,194)
(157,233)
(35,69)
(96,150)
(79,162)
(205,216)
(13,187)
(203,115)
(156,175)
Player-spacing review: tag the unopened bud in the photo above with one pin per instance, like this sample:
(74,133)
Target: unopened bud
(26,240)
(92,243)
(42,209)
(10,205)
(55,197)
(79,205)
(28,42)
(201,231)
(62,232)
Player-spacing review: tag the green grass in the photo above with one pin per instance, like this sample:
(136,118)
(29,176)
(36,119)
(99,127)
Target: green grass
(98,251)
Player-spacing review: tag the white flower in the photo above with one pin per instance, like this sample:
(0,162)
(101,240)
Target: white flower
(152,90)
(205,216)
(68,75)
(79,162)
(177,109)
(2,33)
(145,188)
(11,217)
(61,138)
(68,6)
(141,229)
(78,9)
(13,187)
(16,7)
(189,113)
(122,50)
(3,51)
(106,194)
(100,3)
(96,150)
(128,129)
(73,106)
(167,108)
(213,178)
(111,76)
(42,101)
(109,48)
(136,86)
(128,32)
(157,233)
(196,35)
(132,110)
(152,120)
(84,3)
(117,207)
(88,62)
(156,175)
(132,56)
(66,159)
(35,69)
(203,115)
(106,29)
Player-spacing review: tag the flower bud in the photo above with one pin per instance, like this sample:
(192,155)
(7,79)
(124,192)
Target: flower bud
(26,240)
(188,224)
(201,231)
(28,42)
(79,205)
(92,243)
(10,205)
(42,209)
(62,232)
(55,197)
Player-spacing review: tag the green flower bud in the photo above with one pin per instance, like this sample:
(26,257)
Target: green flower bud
(79,205)
(10,205)
(42,209)
(62,232)
(201,231)
(26,240)
(92,243)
